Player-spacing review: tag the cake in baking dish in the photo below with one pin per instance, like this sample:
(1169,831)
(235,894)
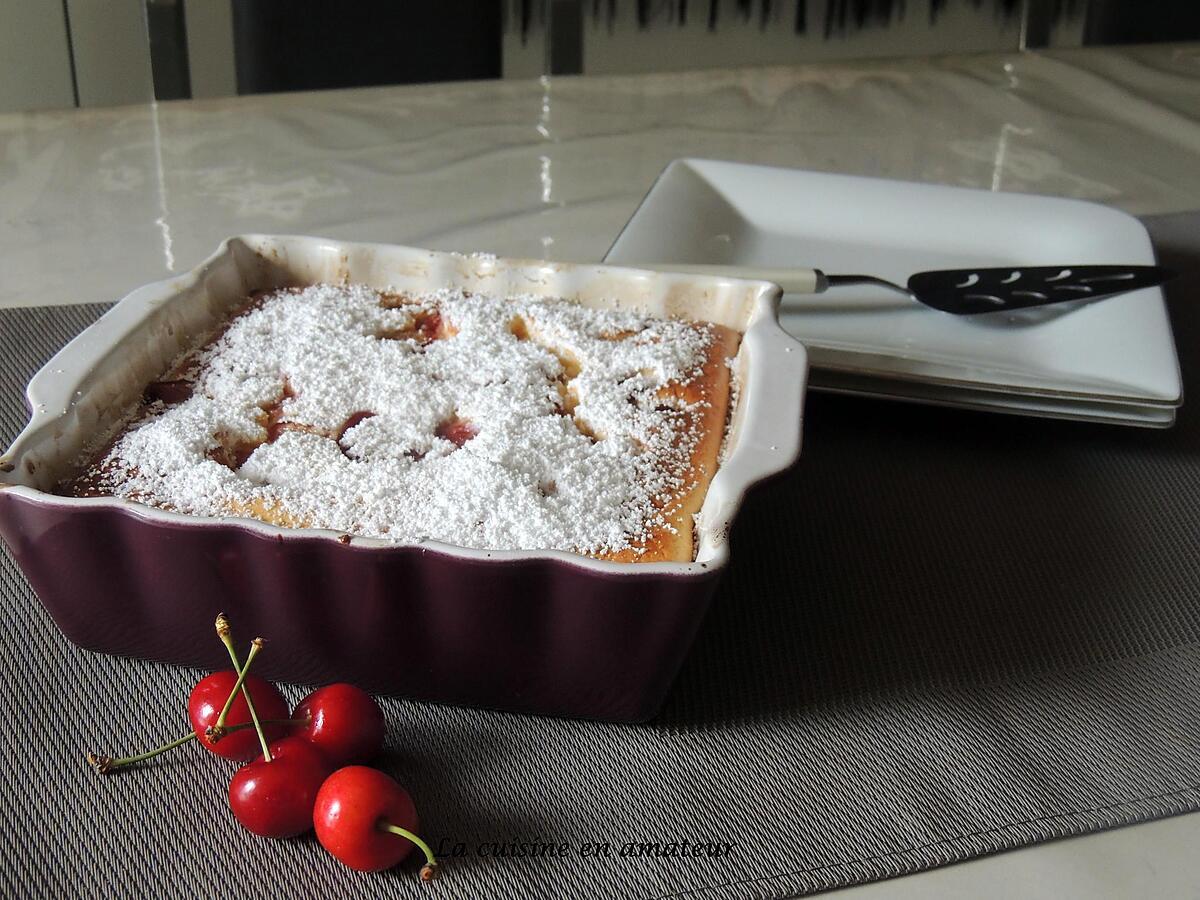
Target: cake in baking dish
(488,422)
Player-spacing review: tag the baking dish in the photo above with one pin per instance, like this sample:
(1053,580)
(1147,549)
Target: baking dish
(543,632)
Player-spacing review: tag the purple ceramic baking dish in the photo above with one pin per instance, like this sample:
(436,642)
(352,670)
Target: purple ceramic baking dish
(542,632)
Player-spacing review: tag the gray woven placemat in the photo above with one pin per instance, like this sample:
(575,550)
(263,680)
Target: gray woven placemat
(945,634)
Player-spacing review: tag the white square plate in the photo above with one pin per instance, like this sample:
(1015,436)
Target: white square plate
(1113,360)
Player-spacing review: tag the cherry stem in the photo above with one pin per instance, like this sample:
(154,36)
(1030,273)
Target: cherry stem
(237,685)
(431,864)
(225,634)
(105,764)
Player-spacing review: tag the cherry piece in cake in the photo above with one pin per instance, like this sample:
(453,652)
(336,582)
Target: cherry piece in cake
(456,430)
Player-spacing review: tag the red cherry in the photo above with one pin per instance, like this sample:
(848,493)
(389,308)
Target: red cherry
(343,721)
(208,699)
(355,809)
(428,327)
(274,798)
(457,431)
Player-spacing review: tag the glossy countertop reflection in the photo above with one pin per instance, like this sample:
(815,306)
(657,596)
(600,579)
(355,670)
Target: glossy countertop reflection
(96,202)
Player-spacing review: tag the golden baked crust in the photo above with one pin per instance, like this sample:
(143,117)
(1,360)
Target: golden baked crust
(708,398)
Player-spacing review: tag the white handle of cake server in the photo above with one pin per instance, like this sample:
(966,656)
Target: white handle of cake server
(793,281)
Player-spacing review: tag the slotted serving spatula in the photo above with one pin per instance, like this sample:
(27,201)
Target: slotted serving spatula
(963,292)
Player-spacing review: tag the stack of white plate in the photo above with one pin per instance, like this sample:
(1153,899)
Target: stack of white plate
(1111,360)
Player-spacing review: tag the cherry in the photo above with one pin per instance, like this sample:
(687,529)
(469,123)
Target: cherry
(367,821)
(343,721)
(207,700)
(274,795)
(208,728)
(428,326)
(457,431)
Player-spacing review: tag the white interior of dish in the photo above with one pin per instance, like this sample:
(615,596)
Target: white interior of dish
(81,396)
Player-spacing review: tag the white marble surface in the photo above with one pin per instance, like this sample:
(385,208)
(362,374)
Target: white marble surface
(96,202)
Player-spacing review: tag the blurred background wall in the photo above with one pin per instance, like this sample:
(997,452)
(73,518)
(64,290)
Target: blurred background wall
(63,53)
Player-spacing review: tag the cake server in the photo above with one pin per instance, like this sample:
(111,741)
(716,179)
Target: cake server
(963,292)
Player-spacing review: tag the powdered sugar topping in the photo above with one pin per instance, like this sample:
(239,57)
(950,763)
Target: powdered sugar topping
(498,423)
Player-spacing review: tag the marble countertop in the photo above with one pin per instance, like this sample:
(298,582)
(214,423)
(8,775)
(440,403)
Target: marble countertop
(96,202)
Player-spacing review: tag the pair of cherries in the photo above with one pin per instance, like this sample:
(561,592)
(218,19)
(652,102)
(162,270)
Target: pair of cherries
(305,770)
